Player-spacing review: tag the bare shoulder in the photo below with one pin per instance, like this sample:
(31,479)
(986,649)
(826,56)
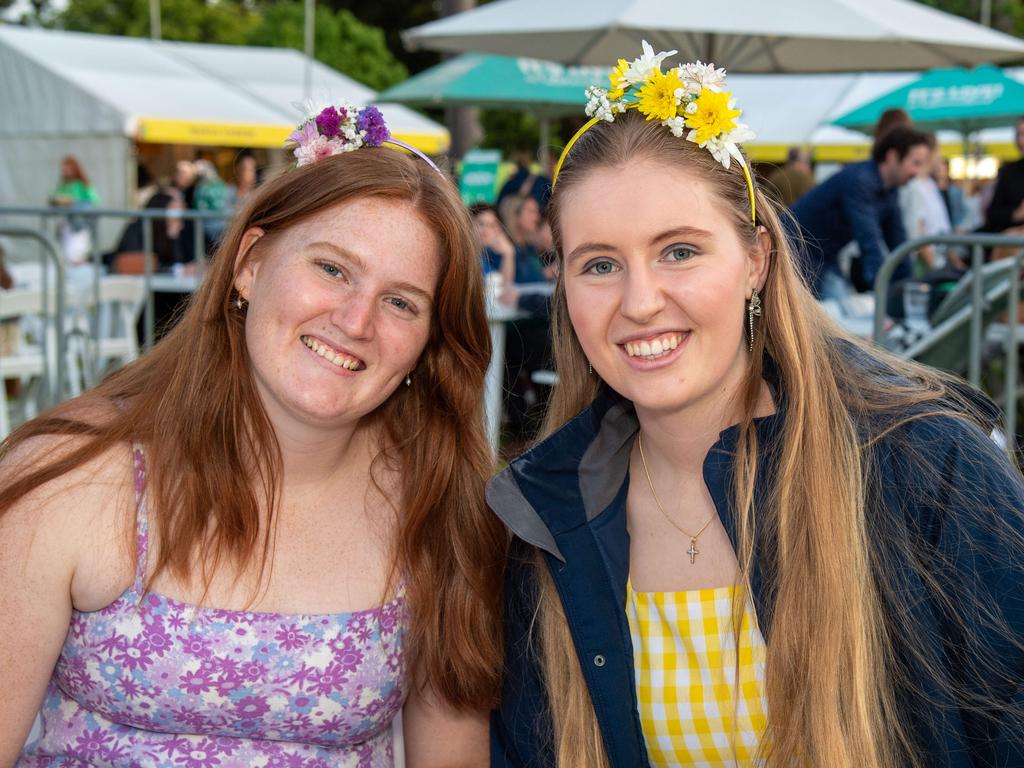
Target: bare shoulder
(75,524)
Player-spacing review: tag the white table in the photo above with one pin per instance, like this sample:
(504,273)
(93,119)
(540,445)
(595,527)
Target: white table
(498,316)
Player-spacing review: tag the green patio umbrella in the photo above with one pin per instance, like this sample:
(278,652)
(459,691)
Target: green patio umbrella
(964,100)
(501,82)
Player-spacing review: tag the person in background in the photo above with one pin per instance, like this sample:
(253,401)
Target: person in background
(925,214)
(265,538)
(212,194)
(1006,209)
(522,220)
(246,178)
(145,185)
(498,254)
(794,179)
(75,193)
(889,119)
(525,182)
(185,179)
(859,203)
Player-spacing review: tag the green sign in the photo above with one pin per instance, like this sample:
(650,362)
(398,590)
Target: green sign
(478,181)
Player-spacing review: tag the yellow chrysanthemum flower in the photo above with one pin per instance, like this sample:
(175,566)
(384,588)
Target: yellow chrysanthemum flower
(657,97)
(713,115)
(618,80)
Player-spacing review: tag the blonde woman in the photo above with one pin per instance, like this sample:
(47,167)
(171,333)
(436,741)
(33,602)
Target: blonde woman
(747,539)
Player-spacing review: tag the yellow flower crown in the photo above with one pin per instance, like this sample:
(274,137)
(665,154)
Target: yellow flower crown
(689,100)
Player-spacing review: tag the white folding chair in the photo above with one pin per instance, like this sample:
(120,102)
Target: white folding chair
(26,362)
(121,300)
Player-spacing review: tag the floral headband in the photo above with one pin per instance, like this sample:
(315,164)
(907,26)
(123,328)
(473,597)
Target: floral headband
(341,128)
(689,100)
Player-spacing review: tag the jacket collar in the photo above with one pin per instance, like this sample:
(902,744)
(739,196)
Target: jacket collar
(577,472)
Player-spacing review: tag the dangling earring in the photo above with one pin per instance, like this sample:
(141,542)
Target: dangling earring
(408,380)
(590,368)
(240,303)
(753,309)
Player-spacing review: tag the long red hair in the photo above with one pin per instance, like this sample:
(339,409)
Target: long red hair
(193,404)
(77,172)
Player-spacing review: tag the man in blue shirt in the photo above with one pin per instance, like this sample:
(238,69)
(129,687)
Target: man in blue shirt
(860,203)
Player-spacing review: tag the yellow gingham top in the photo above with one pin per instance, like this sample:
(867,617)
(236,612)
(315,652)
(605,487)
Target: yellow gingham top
(693,711)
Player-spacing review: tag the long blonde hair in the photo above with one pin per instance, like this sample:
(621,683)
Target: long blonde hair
(833,677)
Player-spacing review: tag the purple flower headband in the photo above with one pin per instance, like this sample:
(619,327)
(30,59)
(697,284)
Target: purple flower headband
(342,128)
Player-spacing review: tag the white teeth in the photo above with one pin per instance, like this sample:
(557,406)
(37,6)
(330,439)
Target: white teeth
(327,354)
(653,349)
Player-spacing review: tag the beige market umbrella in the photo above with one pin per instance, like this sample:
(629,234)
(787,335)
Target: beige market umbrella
(741,35)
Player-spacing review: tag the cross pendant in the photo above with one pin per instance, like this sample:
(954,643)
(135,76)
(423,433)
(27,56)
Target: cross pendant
(693,551)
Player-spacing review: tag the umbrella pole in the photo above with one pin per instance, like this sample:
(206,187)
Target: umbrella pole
(543,151)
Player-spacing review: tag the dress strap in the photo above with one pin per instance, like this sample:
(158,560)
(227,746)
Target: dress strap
(141,517)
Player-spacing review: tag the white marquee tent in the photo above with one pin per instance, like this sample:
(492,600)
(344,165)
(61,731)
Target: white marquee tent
(94,96)
(791,110)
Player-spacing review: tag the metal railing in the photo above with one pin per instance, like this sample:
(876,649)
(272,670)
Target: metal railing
(972,314)
(52,384)
(48,215)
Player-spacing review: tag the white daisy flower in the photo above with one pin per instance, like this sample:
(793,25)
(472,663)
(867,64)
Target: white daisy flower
(640,70)
(697,75)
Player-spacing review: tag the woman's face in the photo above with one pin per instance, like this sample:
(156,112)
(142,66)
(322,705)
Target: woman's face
(656,280)
(340,307)
(528,218)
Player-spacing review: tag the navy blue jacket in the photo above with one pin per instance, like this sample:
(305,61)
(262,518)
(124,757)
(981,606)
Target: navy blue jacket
(566,499)
(850,205)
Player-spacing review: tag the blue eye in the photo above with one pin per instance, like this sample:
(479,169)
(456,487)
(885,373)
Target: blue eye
(602,267)
(400,303)
(331,269)
(679,253)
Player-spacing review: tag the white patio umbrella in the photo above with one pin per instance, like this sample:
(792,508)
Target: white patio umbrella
(741,35)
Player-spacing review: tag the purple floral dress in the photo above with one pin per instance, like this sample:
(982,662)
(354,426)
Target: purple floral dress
(150,681)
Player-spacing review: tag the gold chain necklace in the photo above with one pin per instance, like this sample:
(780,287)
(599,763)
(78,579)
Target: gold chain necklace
(692,551)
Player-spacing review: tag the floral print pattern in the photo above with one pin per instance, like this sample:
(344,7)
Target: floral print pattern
(152,681)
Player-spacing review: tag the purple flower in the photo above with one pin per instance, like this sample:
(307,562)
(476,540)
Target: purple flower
(329,121)
(202,755)
(196,682)
(304,134)
(130,688)
(291,637)
(370,119)
(252,707)
(172,745)
(159,641)
(135,656)
(251,670)
(93,745)
(331,679)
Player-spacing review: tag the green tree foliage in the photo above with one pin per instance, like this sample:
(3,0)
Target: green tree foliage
(1007,15)
(225,21)
(341,40)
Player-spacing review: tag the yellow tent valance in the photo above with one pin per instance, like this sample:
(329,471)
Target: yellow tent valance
(158,130)
(852,153)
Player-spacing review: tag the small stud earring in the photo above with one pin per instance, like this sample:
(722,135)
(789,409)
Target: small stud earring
(408,380)
(240,303)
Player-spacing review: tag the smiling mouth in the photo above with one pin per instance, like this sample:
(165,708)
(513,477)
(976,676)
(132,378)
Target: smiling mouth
(340,359)
(652,349)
